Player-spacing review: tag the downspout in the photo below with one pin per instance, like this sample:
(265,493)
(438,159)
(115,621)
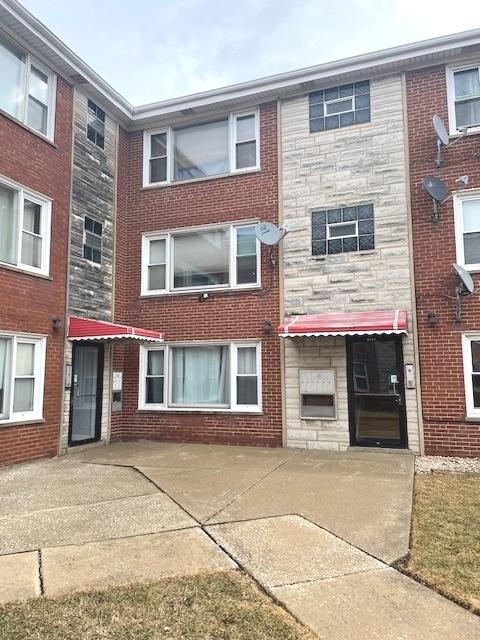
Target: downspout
(281,295)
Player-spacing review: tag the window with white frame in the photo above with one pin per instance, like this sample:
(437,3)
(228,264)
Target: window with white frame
(22,364)
(24,228)
(338,107)
(464,97)
(92,240)
(471,371)
(227,145)
(201,376)
(27,88)
(467,230)
(208,258)
(343,230)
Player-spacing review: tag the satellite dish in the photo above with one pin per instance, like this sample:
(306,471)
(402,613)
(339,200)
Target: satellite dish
(465,278)
(441,130)
(436,189)
(268,233)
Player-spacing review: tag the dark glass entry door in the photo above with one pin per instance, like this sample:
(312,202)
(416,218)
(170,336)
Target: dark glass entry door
(376,391)
(86,394)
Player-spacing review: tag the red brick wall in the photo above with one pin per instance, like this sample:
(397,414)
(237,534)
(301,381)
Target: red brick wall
(443,395)
(28,302)
(228,315)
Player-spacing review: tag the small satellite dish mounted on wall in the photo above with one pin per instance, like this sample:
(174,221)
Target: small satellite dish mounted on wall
(438,192)
(464,287)
(443,139)
(269,234)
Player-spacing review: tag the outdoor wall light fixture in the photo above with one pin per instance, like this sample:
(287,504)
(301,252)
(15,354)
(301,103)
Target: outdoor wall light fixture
(432,318)
(203,297)
(267,326)
(56,323)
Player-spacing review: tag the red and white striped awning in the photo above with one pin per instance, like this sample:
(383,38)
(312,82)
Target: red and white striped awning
(345,324)
(86,329)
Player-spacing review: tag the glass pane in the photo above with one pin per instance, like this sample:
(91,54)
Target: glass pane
(201,150)
(158,145)
(157,251)
(200,375)
(201,259)
(467,113)
(471,248)
(246,241)
(154,390)
(155,363)
(467,83)
(84,415)
(156,277)
(31,250)
(32,215)
(158,170)
(3,374)
(475,355)
(38,85)
(342,230)
(37,115)
(245,128)
(247,360)
(471,215)
(23,394)
(8,225)
(25,359)
(247,270)
(246,155)
(318,406)
(12,64)
(247,392)
(339,107)
(476,391)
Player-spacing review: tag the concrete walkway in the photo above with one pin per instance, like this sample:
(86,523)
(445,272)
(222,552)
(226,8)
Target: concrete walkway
(318,530)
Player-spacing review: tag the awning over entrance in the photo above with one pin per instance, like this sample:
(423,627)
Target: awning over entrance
(86,329)
(345,324)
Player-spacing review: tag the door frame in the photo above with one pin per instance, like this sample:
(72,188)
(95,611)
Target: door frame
(402,443)
(98,410)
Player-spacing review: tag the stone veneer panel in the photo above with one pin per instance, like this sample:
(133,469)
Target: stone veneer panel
(355,165)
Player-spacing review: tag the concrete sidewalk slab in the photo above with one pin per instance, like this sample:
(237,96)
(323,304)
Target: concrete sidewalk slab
(288,549)
(203,492)
(130,453)
(365,499)
(74,525)
(378,605)
(19,577)
(139,559)
(65,482)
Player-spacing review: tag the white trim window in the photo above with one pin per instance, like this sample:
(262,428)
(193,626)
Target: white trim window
(22,367)
(206,376)
(92,240)
(463,87)
(224,257)
(471,372)
(467,229)
(24,228)
(229,144)
(27,89)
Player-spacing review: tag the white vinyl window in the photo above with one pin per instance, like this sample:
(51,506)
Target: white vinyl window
(467,229)
(22,365)
(201,259)
(24,228)
(463,85)
(27,89)
(471,371)
(201,376)
(230,144)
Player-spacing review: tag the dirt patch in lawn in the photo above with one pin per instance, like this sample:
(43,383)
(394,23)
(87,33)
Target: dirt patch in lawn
(445,549)
(222,606)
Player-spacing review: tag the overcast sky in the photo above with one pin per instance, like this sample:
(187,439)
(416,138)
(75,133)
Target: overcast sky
(157,49)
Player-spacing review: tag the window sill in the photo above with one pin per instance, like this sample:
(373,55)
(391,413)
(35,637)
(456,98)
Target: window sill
(319,419)
(475,131)
(473,419)
(19,423)
(367,252)
(228,412)
(27,128)
(11,267)
(179,183)
(197,292)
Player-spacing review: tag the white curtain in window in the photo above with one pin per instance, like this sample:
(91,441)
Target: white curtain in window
(12,80)
(8,225)
(247,360)
(3,366)
(200,375)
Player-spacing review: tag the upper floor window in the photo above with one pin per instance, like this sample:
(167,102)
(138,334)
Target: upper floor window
(92,240)
(467,230)
(464,97)
(26,88)
(471,371)
(96,124)
(24,228)
(226,145)
(343,230)
(22,363)
(340,106)
(209,258)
